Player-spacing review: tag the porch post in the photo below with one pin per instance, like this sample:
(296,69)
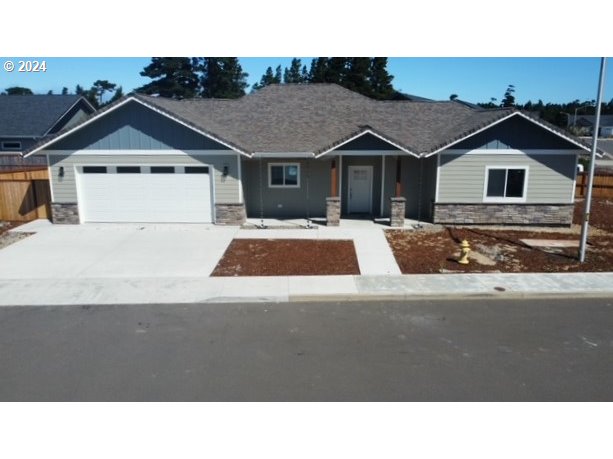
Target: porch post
(333,180)
(398,202)
(333,202)
(398,177)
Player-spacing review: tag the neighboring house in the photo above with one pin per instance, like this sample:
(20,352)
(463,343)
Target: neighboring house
(310,151)
(25,120)
(586,122)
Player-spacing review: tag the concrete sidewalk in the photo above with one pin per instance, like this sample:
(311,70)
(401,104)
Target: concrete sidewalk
(298,288)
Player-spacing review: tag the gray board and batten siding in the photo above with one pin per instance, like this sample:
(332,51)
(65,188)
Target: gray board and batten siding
(133,130)
(551,163)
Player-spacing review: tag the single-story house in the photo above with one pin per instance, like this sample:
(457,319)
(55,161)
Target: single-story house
(310,151)
(26,120)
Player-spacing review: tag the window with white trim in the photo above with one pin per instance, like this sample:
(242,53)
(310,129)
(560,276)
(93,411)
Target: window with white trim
(505,184)
(284,175)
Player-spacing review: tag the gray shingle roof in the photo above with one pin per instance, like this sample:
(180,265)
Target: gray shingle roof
(315,117)
(32,116)
(318,117)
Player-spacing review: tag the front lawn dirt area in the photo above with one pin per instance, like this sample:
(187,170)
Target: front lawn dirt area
(499,249)
(7,238)
(287,257)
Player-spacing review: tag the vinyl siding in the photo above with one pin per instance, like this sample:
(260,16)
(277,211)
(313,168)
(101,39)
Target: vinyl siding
(136,127)
(550,176)
(286,202)
(412,178)
(64,188)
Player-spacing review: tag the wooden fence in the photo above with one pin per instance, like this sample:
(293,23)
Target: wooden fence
(24,195)
(603,185)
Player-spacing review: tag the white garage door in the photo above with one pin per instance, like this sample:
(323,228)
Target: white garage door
(145,194)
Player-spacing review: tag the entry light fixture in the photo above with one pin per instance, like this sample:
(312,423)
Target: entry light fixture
(225,171)
(61,171)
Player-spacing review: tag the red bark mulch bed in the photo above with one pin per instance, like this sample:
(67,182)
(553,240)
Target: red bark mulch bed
(501,250)
(287,257)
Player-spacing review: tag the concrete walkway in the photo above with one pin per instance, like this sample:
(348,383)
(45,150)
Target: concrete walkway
(15,292)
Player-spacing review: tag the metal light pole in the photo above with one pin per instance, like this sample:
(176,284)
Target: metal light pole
(576,110)
(590,177)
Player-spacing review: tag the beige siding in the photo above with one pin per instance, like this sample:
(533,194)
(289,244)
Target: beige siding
(550,176)
(64,188)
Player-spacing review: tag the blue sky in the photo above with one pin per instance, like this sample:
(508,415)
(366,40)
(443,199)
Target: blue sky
(473,79)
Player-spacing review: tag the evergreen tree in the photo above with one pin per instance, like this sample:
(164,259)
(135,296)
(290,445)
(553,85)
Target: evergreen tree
(380,80)
(100,87)
(64,91)
(336,71)
(357,75)
(18,91)
(221,77)
(117,95)
(50,92)
(173,77)
(268,78)
(453,97)
(295,73)
(319,68)
(509,98)
(305,75)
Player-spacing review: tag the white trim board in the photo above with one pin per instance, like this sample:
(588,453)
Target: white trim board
(508,151)
(121,104)
(582,147)
(140,153)
(504,200)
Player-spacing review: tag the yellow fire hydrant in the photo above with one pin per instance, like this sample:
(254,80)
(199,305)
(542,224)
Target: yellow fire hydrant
(464,251)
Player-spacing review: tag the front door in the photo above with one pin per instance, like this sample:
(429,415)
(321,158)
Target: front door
(360,190)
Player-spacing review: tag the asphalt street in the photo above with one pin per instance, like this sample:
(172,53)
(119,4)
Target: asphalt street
(468,350)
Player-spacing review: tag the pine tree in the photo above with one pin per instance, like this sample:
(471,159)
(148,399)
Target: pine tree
(357,76)
(336,71)
(18,91)
(268,78)
(64,91)
(117,95)
(221,77)
(319,68)
(100,87)
(173,77)
(380,80)
(509,98)
(294,74)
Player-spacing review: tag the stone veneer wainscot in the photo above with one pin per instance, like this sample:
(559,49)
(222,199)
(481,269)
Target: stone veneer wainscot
(230,214)
(65,213)
(509,214)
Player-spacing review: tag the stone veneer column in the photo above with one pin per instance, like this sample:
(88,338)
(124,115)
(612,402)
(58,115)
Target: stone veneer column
(65,213)
(333,211)
(230,214)
(398,209)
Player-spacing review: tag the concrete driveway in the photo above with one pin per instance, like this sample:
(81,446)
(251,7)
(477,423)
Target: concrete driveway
(115,251)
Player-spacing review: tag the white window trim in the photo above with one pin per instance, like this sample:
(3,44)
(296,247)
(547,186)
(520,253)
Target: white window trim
(270,165)
(487,199)
(5,148)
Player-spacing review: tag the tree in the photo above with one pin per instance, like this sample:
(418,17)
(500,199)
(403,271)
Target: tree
(18,91)
(357,75)
(380,80)
(453,97)
(509,98)
(117,95)
(64,91)
(336,70)
(173,77)
(50,92)
(100,87)
(319,67)
(268,78)
(295,72)
(221,77)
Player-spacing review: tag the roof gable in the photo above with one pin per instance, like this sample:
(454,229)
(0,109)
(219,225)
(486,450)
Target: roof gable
(516,133)
(133,126)
(35,115)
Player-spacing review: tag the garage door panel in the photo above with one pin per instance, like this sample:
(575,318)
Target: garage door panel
(145,197)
